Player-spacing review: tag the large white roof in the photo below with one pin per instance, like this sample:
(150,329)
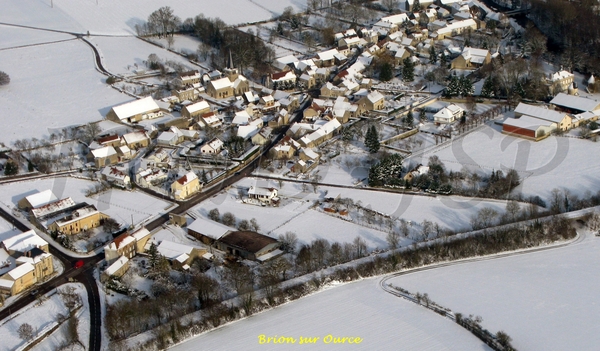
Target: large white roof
(135,107)
(209,228)
(199,106)
(526,122)
(42,198)
(172,250)
(575,102)
(104,152)
(53,207)
(396,19)
(24,242)
(118,264)
(21,271)
(135,137)
(539,112)
(221,83)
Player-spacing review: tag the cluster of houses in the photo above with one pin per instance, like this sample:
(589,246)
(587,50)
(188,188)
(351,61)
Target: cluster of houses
(25,260)
(61,216)
(538,122)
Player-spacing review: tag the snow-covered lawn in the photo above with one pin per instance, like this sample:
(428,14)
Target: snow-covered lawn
(121,17)
(6,229)
(52,86)
(360,309)
(43,318)
(123,206)
(11,37)
(555,162)
(119,54)
(544,300)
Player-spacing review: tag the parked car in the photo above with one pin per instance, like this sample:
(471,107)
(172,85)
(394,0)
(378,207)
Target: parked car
(78,264)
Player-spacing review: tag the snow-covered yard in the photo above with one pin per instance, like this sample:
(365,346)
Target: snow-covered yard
(360,309)
(11,37)
(43,317)
(555,162)
(123,206)
(52,86)
(7,230)
(544,300)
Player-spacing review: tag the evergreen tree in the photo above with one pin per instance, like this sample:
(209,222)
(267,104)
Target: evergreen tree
(487,90)
(465,86)
(417,6)
(433,58)
(386,73)
(443,59)
(408,70)
(387,171)
(372,140)
(409,119)
(453,87)
(422,115)
(11,168)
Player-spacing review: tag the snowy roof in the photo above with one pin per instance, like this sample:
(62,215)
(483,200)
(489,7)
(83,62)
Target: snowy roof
(202,105)
(216,143)
(53,207)
(188,177)
(281,62)
(173,250)
(575,102)
(241,118)
(140,234)
(476,55)
(396,19)
(457,25)
(41,198)
(21,270)
(118,264)
(375,96)
(24,242)
(77,215)
(561,75)
(135,107)
(283,76)
(221,83)
(539,112)
(135,137)
(106,151)
(6,284)
(167,137)
(526,122)
(310,153)
(269,255)
(247,131)
(262,191)
(327,55)
(209,228)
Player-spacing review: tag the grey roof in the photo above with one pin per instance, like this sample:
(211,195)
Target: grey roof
(575,102)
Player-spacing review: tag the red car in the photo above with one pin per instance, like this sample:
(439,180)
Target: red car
(78,264)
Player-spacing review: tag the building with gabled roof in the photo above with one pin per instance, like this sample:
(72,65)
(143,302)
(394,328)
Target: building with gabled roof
(448,114)
(82,219)
(104,156)
(372,102)
(471,58)
(207,231)
(186,186)
(53,208)
(24,242)
(37,200)
(196,109)
(528,127)
(135,111)
(117,269)
(574,104)
(249,245)
(136,139)
(562,120)
(116,176)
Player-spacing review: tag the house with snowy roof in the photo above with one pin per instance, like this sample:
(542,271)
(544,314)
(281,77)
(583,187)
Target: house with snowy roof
(104,156)
(562,120)
(448,114)
(135,111)
(116,176)
(283,80)
(471,58)
(136,139)
(32,266)
(233,83)
(179,255)
(127,245)
(196,109)
(249,245)
(323,133)
(38,199)
(117,269)
(372,102)
(207,231)
(80,220)
(212,147)
(186,186)
(150,176)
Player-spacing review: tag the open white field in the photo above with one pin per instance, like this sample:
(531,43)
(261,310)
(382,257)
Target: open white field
(359,309)
(544,301)
(123,206)
(7,230)
(120,17)
(541,164)
(43,317)
(11,37)
(119,54)
(52,86)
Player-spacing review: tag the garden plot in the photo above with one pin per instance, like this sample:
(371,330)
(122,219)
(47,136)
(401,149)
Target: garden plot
(544,300)
(121,55)
(14,37)
(540,164)
(43,317)
(124,206)
(360,309)
(32,104)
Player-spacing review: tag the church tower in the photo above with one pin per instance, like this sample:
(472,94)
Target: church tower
(231,71)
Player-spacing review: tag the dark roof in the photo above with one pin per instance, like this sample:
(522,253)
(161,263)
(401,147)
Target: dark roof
(247,240)
(108,138)
(35,252)
(279,75)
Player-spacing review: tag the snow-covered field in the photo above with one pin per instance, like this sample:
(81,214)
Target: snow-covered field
(360,309)
(555,162)
(43,318)
(123,206)
(120,54)
(52,86)
(120,17)
(7,230)
(11,37)
(544,301)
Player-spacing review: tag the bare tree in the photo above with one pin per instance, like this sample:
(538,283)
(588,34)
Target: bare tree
(512,209)
(289,241)
(360,247)
(254,226)
(228,218)
(25,331)
(163,22)
(426,229)
(214,215)
(393,239)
